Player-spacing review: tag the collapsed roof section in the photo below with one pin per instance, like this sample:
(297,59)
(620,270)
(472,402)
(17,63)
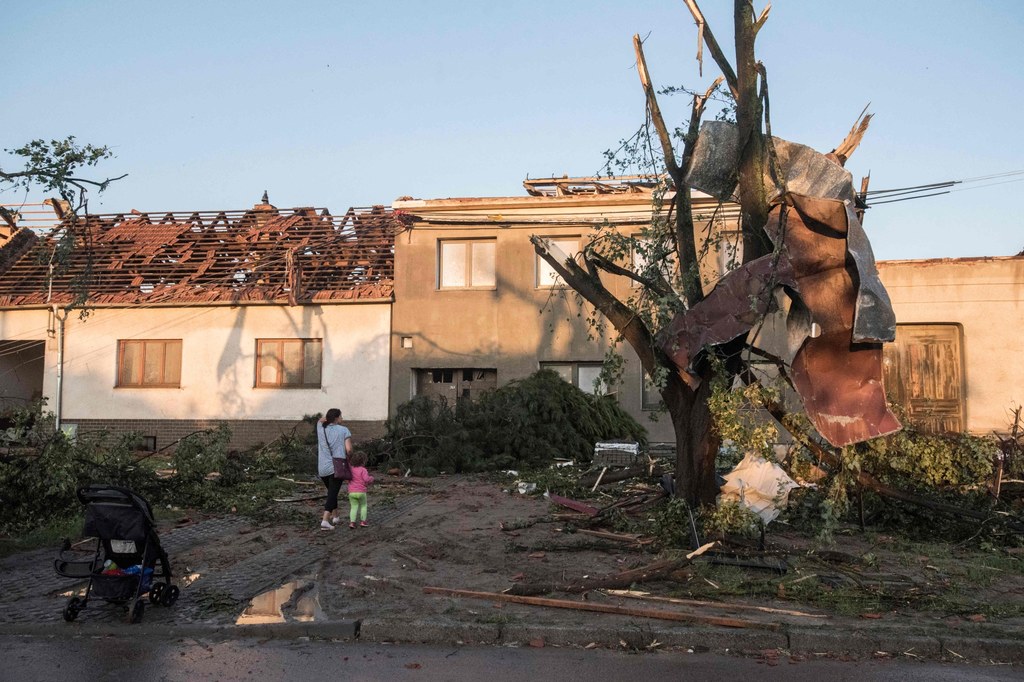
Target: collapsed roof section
(261,255)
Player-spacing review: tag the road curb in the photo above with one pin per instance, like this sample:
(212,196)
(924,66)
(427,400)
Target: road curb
(640,636)
(634,636)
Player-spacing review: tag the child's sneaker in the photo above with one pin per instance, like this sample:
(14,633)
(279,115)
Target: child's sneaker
(352,526)
(364,524)
(324,525)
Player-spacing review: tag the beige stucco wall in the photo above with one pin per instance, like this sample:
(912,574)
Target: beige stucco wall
(986,297)
(218,366)
(516,325)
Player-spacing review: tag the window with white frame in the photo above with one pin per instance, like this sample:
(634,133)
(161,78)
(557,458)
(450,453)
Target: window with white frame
(585,376)
(288,363)
(466,264)
(546,275)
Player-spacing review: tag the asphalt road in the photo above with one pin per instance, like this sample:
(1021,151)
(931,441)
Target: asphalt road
(25,659)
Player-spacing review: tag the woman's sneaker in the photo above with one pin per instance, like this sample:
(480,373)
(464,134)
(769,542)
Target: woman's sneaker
(352,526)
(364,524)
(325,525)
(336,520)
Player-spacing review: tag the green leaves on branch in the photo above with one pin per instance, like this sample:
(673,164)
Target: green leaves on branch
(52,166)
(524,424)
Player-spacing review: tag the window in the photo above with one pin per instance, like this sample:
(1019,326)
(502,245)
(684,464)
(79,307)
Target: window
(642,250)
(546,275)
(650,397)
(288,363)
(583,375)
(149,363)
(466,264)
(454,384)
(730,251)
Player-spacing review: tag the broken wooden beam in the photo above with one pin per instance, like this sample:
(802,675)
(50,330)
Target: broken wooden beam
(580,507)
(603,608)
(726,606)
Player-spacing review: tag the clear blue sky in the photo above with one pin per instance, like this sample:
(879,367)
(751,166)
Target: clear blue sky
(340,103)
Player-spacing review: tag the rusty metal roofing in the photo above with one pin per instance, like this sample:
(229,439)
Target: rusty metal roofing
(260,255)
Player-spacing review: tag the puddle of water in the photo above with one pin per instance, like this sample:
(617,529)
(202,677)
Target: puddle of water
(270,607)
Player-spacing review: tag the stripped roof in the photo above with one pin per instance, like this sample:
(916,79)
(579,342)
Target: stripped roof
(261,255)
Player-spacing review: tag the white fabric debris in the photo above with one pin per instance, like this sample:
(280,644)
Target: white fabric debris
(759,485)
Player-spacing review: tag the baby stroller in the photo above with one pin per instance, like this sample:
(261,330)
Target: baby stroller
(125,562)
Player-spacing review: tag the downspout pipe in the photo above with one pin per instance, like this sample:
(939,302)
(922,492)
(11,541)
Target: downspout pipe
(60,317)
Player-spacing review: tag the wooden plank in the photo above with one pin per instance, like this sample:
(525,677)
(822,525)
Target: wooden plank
(603,608)
(636,594)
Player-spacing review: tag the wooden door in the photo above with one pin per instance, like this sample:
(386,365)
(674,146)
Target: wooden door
(924,373)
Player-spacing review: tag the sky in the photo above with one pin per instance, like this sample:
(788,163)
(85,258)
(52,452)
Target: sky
(338,103)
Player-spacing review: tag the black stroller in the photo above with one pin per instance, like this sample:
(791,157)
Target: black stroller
(124,566)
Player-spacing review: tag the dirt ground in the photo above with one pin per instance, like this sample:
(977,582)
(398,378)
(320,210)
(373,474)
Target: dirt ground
(480,534)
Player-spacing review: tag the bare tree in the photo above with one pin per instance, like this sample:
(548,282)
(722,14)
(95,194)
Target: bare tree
(685,391)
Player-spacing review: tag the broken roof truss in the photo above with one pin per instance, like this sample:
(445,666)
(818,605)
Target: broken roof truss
(260,255)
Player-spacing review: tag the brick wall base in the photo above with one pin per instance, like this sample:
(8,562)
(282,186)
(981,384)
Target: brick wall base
(245,434)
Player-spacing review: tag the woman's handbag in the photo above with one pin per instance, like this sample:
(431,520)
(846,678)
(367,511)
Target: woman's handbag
(342,471)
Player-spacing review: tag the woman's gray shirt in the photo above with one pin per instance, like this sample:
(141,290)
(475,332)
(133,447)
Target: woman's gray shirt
(330,443)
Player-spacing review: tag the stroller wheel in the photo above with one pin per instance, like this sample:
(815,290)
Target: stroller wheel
(169,595)
(138,607)
(72,608)
(155,592)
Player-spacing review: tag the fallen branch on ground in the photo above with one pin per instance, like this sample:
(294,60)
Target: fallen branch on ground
(635,594)
(626,473)
(616,537)
(408,557)
(656,571)
(603,608)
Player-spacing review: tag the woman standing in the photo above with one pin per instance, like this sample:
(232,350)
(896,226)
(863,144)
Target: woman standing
(334,441)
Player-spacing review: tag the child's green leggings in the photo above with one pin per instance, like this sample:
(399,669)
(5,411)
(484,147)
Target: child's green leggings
(357,506)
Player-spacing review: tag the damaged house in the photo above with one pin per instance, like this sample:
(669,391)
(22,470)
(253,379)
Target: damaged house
(254,318)
(955,363)
(476,307)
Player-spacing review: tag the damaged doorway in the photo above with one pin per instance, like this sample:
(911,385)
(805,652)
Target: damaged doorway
(454,384)
(21,373)
(924,373)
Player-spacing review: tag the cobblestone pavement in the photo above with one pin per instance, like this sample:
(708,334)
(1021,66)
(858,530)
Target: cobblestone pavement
(31,592)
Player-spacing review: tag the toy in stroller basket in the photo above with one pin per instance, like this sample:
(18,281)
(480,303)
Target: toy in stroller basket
(127,558)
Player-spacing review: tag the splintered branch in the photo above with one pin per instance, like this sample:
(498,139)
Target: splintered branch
(656,117)
(686,244)
(713,46)
(852,140)
(761,19)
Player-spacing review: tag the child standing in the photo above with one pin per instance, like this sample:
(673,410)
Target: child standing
(361,480)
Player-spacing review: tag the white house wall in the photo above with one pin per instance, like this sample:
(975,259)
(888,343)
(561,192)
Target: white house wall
(218,363)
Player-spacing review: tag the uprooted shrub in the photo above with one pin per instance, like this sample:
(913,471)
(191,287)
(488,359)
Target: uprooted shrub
(526,423)
(41,470)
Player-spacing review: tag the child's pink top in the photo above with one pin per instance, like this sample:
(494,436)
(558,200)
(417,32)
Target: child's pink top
(361,480)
